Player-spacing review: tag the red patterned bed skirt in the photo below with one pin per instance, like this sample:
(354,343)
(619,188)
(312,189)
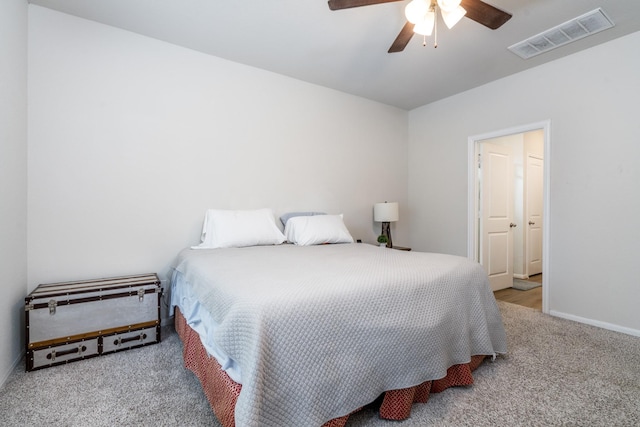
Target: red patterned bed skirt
(222,392)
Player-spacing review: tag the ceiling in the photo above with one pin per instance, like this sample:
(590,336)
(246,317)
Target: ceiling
(347,49)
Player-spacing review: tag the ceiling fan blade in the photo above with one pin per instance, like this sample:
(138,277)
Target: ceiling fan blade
(403,38)
(346,4)
(485,14)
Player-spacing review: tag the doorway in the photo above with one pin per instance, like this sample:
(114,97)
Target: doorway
(509,204)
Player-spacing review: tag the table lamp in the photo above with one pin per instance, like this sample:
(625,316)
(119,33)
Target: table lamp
(386,213)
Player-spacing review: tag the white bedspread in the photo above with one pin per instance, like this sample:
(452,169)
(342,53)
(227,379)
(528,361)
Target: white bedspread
(319,331)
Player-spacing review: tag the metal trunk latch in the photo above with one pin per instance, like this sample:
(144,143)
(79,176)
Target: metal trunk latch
(140,295)
(52,306)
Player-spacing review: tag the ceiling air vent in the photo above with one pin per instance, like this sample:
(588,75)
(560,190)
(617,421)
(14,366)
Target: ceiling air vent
(585,25)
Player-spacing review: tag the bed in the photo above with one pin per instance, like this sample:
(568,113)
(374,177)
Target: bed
(285,334)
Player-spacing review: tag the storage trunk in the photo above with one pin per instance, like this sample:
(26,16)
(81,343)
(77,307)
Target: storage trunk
(70,321)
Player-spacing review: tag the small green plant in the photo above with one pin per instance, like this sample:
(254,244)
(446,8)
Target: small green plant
(382,239)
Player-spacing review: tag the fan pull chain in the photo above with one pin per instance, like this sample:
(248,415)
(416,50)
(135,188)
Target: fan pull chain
(435,33)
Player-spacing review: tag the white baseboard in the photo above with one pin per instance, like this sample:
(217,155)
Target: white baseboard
(520,276)
(597,323)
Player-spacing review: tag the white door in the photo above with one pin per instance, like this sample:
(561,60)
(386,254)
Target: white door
(496,213)
(533,215)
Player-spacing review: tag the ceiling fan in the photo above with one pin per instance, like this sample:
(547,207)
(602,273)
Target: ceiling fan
(421,15)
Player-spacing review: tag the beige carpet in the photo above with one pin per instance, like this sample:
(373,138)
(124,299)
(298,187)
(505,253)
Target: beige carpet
(557,373)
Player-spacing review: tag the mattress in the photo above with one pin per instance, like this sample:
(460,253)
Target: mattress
(313,333)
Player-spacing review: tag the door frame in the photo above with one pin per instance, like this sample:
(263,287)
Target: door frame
(473,204)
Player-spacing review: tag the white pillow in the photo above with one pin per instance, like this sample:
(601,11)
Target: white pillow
(316,230)
(237,229)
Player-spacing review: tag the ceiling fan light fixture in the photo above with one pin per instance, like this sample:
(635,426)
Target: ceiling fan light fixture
(425,27)
(416,10)
(452,17)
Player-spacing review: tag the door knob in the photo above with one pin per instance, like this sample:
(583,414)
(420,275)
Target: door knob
(532,223)
(512,225)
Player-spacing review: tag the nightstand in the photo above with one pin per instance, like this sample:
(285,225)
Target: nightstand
(401,248)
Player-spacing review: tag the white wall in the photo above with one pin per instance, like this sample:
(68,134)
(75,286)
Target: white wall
(13,180)
(132,139)
(591,99)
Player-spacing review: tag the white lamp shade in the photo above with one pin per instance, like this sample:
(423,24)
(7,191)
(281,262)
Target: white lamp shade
(452,17)
(425,27)
(385,212)
(416,10)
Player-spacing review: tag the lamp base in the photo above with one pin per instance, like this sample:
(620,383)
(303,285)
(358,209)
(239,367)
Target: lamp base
(386,231)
